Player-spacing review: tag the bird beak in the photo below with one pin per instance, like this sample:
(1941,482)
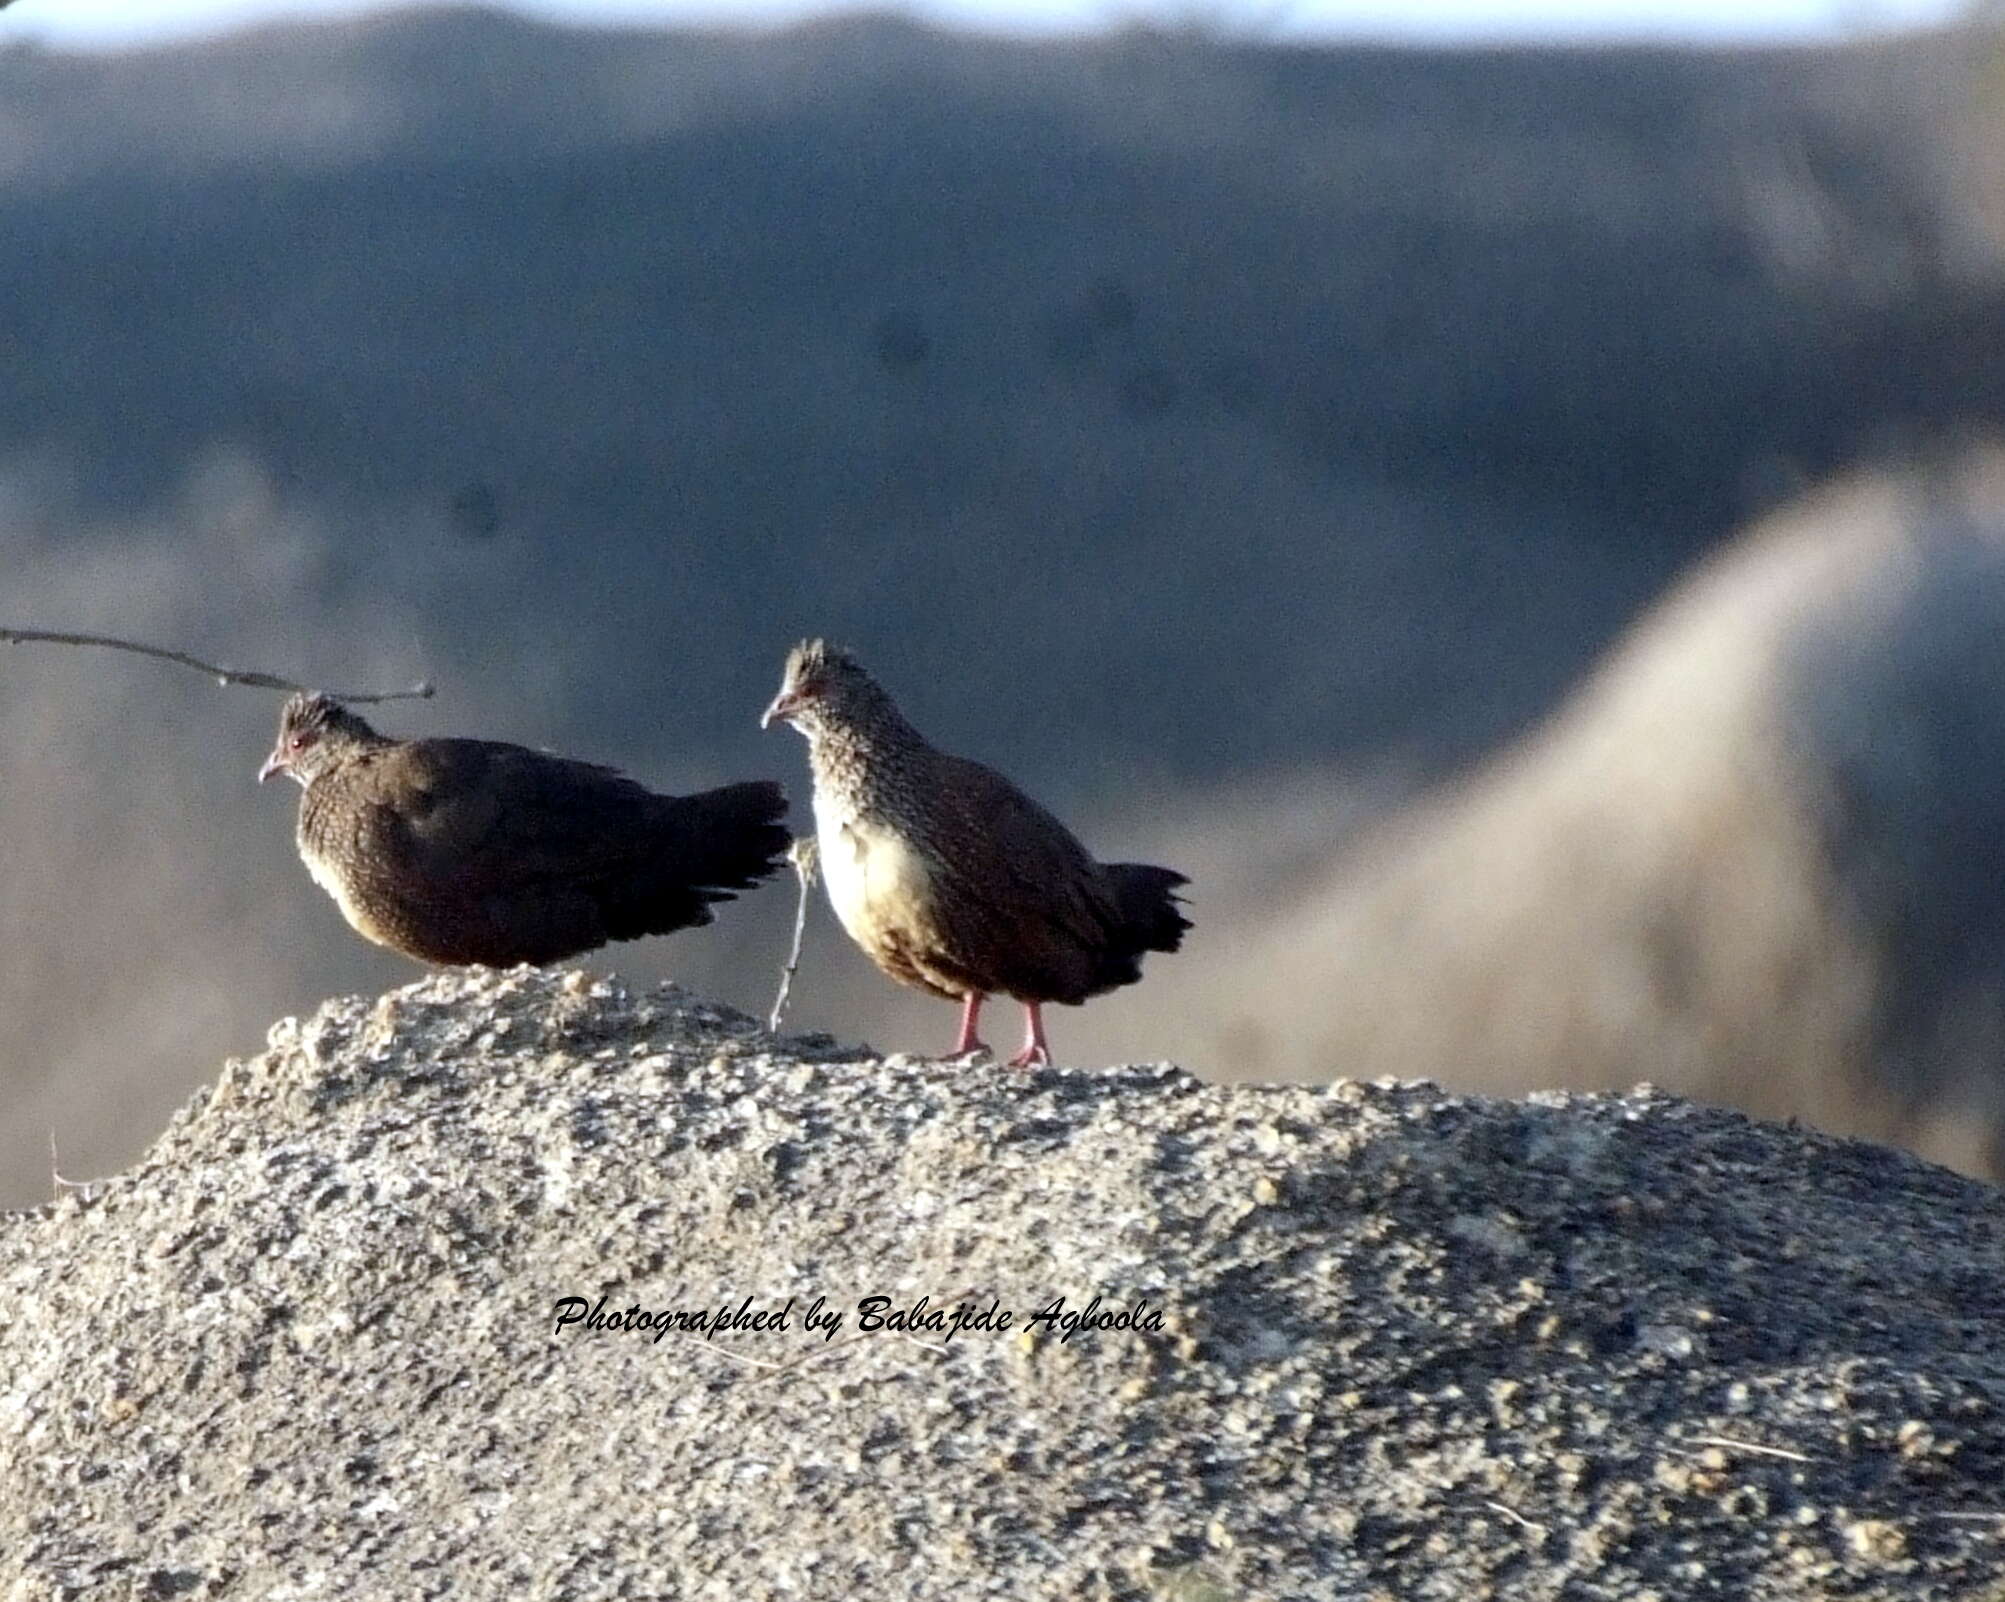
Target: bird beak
(275,763)
(784,706)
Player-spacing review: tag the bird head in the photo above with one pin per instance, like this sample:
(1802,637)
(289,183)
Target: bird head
(819,686)
(314,732)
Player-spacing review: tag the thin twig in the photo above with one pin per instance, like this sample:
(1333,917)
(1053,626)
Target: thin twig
(420,691)
(60,1184)
(1749,1446)
(1516,1517)
(803,856)
(725,1351)
(814,1354)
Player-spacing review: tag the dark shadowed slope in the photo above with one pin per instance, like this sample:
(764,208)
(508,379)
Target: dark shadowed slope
(1145,339)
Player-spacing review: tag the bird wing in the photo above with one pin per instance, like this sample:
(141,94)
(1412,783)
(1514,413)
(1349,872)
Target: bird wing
(495,816)
(1021,890)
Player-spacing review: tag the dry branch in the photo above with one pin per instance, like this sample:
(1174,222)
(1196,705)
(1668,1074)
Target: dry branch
(802,854)
(249,677)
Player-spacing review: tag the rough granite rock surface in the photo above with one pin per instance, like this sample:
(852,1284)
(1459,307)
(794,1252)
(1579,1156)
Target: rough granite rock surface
(1413,1346)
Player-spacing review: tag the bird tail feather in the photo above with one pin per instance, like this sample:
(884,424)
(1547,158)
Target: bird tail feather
(733,835)
(1148,901)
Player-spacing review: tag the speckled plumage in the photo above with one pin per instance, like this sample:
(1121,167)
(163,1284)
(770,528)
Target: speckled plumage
(950,878)
(475,851)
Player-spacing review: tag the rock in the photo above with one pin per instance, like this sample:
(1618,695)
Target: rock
(1374,1339)
(1753,857)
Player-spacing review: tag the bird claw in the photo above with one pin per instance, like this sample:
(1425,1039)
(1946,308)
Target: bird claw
(1031,1057)
(976,1052)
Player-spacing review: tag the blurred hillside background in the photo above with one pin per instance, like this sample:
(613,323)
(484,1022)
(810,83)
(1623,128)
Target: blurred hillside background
(1265,452)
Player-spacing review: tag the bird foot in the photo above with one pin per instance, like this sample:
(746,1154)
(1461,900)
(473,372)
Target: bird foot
(1032,1057)
(975,1051)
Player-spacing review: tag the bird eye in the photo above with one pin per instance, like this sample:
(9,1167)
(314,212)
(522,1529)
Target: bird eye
(298,742)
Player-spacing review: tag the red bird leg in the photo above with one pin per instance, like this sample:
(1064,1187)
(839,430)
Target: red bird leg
(971,1012)
(1035,1053)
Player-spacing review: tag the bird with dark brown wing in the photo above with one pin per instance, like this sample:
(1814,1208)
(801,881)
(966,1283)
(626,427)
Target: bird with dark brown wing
(472,851)
(950,878)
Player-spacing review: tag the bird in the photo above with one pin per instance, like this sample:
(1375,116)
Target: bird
(458,852)
(950,878)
